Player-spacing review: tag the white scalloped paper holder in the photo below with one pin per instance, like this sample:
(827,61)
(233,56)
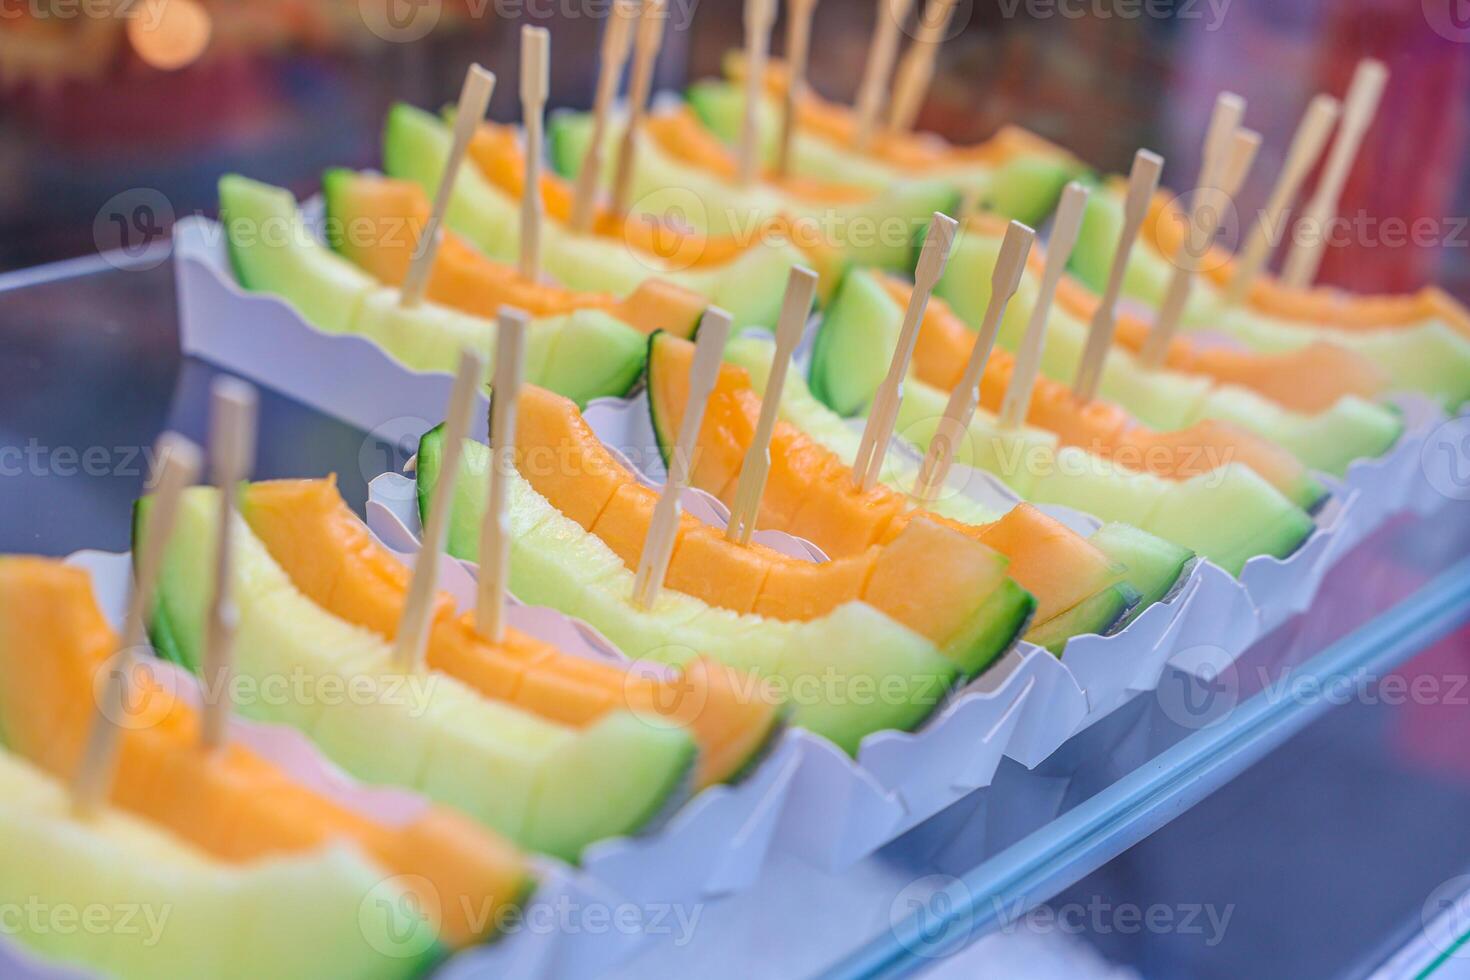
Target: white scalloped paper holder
(265,339)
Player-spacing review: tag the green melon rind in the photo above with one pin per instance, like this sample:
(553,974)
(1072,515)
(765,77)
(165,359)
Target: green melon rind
(415,145)
(556,563)
(272,251)
(545,786)
(1155,566)
(1102,613)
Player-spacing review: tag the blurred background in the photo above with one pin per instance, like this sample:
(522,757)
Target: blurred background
(99,97)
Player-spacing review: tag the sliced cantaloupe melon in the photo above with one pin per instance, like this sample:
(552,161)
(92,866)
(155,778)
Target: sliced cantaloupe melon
(848,363)
(376,222)
(815,498)
(1014,173)
(497,151)
(1421,341)
(933,580)
(333,559)
(231,804)
(749,283)
(1039,469)
(585,353)
(549,787)
(871,227)
(820,667)
(175,913)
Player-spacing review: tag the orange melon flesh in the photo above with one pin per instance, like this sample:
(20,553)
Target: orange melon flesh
(681,135)
(333,559)
(496,151)
(389,215)
(1101,428)
(232,803)
(916,153)
(899,578)
(1162,230)
(814,498)
(1309,379)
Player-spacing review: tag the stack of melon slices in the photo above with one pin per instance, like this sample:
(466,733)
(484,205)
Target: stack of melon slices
(220,844)
(1420,340)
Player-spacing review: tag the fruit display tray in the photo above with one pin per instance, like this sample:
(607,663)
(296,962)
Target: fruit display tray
(1392,587)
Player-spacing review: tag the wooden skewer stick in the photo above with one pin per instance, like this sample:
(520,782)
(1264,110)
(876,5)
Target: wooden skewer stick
(1004,280)
(617,41)
(1143,181)
(474,99)
(231,458)
(883,415)
(510,367)
(879,67)
(1304,258)
(796,308)
(646,43)
(658,546)
(1064,229)
(1204,222)
(1225,119)
(798,48)
(176,465)
(1301,156)
(418,608)
(916,67)
(535,71)
(759,15)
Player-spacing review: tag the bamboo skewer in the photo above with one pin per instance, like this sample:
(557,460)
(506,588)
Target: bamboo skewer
(176,466)
(1306,147)
(1143,181)
(510,366)
(868,464)
(535,71)
(231,455)
(879,67)
(1064,229)
(1361,102)
(646,43)
(658,546)
(796,308)
(798,48)
(617,42)
(474,99)
(1204,222)
(916,67)
(1004,279)
(759,15)
(418,608)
